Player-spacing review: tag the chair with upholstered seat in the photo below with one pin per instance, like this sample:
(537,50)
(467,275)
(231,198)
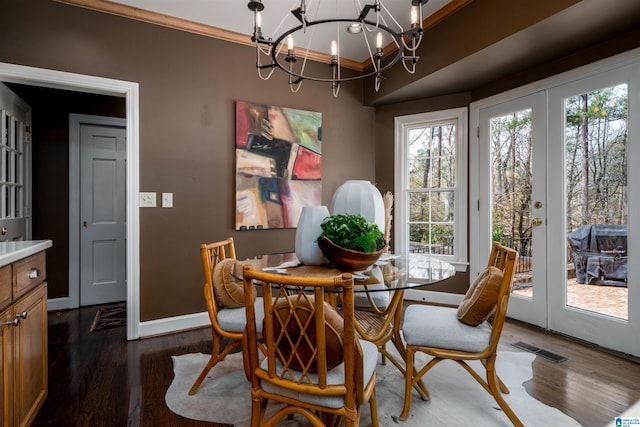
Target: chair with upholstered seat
(225,302)
(469,332)
(315,364)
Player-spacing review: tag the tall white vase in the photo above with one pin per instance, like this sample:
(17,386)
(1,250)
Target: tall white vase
(359,197)
(307,233)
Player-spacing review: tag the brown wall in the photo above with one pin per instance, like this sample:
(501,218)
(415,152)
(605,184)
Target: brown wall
(188,85)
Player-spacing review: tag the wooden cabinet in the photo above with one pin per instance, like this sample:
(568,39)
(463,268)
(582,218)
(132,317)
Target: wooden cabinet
(23,340)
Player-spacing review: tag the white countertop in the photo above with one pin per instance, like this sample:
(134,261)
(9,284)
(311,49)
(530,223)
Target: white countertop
(14,251)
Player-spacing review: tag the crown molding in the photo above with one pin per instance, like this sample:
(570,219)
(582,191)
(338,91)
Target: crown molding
(156,18)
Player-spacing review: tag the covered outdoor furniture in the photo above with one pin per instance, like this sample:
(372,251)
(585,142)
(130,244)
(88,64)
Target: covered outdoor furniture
(600,253)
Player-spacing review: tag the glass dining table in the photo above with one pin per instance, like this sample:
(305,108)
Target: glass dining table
(378,320)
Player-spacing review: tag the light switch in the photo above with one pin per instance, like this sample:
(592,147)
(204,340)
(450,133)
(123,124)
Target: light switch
(147,199)
(167,200)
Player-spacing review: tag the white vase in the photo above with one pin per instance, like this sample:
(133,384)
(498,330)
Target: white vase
(359,197)
(307,233)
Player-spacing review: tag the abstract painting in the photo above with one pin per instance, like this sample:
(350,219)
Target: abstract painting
(278,165)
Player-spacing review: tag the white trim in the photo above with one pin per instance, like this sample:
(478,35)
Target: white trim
(170,325)
(128,90)
(459,260)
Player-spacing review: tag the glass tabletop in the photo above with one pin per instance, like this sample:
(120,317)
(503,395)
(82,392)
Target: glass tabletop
(395,271)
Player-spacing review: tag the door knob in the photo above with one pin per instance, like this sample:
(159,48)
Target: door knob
(3,230)
(536,222)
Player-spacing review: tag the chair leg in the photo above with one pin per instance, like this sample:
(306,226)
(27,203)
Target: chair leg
(258,407)
(373,406)
(210,364)
(503,387)
(216,356)
(495,388)
(408,383)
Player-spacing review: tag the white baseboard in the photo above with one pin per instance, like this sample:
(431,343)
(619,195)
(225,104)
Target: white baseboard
(57,304)
(434,297)
(174,324)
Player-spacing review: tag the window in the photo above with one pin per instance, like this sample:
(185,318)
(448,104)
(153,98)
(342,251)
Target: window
(430,185)
(11,131)
(15,167)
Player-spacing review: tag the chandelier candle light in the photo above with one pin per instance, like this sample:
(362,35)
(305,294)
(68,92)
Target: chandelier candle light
(368,19)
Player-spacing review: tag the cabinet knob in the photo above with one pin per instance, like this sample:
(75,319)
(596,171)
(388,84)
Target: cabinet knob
(34,273)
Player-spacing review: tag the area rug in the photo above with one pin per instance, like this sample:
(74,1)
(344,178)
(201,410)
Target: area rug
(456,398)
(109,317)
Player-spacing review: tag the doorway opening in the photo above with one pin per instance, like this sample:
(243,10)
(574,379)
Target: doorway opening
(11,73)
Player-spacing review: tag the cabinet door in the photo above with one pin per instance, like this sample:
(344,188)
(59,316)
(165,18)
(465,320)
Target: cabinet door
(31,355)
(6,365)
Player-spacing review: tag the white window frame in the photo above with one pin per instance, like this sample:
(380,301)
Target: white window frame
(401,211)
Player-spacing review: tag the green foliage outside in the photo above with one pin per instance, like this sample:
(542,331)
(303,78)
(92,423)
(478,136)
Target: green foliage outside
(353,232)
(434,235)
(595,138)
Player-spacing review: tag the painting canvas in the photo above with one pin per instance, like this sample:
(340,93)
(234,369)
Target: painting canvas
(278,165)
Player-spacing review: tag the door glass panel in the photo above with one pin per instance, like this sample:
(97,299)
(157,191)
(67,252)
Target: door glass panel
(511,184)
(596,200)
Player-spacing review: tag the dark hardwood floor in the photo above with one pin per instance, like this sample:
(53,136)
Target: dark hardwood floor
(100,379)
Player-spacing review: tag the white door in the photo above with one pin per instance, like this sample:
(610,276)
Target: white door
(512,197)
(15,167)
(102,214)
(594,168)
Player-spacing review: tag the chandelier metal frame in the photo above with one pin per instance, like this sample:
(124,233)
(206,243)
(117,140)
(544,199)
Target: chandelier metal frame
(406,43)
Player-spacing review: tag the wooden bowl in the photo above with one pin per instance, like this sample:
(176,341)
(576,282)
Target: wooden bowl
(347,259)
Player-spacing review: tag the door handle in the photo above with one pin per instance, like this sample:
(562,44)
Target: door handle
(536,222)
(3,230)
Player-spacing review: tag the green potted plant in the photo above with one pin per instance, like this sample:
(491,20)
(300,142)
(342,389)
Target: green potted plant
(350,242)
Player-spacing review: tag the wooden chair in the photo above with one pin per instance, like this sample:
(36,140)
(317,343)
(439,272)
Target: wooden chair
(315,365)
(438,332)
(226,323)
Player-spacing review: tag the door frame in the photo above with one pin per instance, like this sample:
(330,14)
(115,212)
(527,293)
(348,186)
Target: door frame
(120,88)
(75,121)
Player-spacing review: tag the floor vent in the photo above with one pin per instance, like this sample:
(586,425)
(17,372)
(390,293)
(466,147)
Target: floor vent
(540,352)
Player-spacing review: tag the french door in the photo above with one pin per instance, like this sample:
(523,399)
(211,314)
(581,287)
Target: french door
(513,204)
(593,168)
(558,179)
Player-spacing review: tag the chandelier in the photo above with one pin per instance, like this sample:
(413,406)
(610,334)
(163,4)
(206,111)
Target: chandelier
(373,24)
